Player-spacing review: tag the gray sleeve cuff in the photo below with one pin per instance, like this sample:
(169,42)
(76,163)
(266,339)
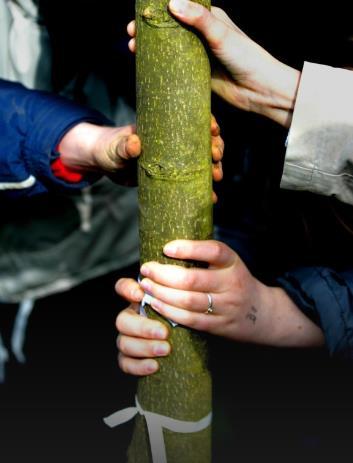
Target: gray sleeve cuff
(319,156)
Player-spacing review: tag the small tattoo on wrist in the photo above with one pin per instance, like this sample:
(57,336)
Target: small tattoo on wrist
(252,315)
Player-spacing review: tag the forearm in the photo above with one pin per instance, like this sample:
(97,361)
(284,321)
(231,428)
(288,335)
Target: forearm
(276,99)
(32,123)
(283,323)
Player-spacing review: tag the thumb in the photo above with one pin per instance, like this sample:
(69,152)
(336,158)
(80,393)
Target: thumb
(193,14)
(115,146)
(127,147)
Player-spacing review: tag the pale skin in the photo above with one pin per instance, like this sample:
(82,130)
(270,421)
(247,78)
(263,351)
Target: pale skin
(254,80)
(88,147)
(245,309)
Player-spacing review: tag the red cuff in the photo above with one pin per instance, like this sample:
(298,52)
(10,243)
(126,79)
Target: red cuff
(65,173)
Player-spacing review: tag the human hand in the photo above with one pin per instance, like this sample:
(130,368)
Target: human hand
(244,309)
(140,340)
(112,150)
(182,294)
(249,77)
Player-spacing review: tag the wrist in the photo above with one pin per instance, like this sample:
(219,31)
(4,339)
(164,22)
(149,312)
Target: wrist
(263,302)
(290,327)
(257,322)
(77,147)
(278,100)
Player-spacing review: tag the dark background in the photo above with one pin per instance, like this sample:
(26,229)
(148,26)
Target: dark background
(269,405)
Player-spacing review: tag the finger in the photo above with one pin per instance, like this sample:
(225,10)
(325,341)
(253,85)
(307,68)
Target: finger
(131,28)
(132,45)
(129,289)
(215,129)
(196,321)
(188,279)
(217,172)
(217,141)
(190,300)
(137,367)
(142,348)
(217,154)
(119,145)
(222,15)
(214,198)
(130,323)
(132,147)
(223,85)
(127,147)
(214,29)
(217,148)
(214,252)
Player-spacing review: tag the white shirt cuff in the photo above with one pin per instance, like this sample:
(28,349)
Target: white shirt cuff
(319,156)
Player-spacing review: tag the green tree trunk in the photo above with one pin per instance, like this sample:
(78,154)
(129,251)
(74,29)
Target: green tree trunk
(175,195)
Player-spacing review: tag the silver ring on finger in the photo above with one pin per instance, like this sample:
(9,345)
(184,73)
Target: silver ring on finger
(210,308)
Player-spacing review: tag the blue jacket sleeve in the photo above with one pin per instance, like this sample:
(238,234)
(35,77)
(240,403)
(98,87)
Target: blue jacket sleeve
(326,297)
(32,124)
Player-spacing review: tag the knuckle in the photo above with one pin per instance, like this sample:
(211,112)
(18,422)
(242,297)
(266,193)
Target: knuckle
(204,323)
(202,18)
(125,286)
(121,146)
(129,366)
(119,285)
(217,9)
(119,321)
(189,319)
(189,279)
(189,300)
(122,363)
(220,33)
(122,344)
(146,331)
(118,342)
(236,264)
(218,250)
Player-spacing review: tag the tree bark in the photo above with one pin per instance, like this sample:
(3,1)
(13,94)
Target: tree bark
(175,197)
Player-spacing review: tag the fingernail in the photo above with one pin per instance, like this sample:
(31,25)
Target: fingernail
(178,6)
(170,249)
(161,349)
(145,271)
(146,286)
(151,367)
(159,333)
